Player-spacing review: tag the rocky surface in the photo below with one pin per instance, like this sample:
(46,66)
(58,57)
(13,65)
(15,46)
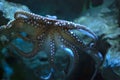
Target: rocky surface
(8,9)
(63,9)
(104,21)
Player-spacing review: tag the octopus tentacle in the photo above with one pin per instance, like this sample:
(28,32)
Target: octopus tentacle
(24,14)
(52,51)
(37,45)
(40,20)
(83,30)
(63,24)
(30,19)
(74,56)
(72,26)
(72,39)
(69,45)
(29,54)
(86,31)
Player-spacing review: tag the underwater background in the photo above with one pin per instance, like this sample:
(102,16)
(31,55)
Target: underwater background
(102,62)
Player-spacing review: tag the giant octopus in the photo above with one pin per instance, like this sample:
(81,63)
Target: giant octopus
(39,34)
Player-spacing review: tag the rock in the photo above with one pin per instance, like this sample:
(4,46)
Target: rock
(105,24)
(9,8)
(3,20)
(111,65)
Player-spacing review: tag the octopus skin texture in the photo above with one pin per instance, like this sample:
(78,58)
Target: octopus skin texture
(47,34)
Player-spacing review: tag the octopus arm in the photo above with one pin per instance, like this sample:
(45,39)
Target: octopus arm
(81,28)
(34,18)
(37,42)
(69,26)
(71,38)
(72,59)
(23,14)
(29,54)
(50,49)
(69,42)
(31,35)
(86,31)
(66,47)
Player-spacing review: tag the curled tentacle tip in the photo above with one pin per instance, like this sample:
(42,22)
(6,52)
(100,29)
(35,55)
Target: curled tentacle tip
(20,14)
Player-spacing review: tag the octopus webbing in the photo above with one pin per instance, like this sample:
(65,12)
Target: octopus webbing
(48,35)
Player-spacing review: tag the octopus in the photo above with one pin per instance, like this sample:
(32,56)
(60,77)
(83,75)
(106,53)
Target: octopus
(47,34)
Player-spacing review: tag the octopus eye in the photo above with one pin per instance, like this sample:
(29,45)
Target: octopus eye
(92,45)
